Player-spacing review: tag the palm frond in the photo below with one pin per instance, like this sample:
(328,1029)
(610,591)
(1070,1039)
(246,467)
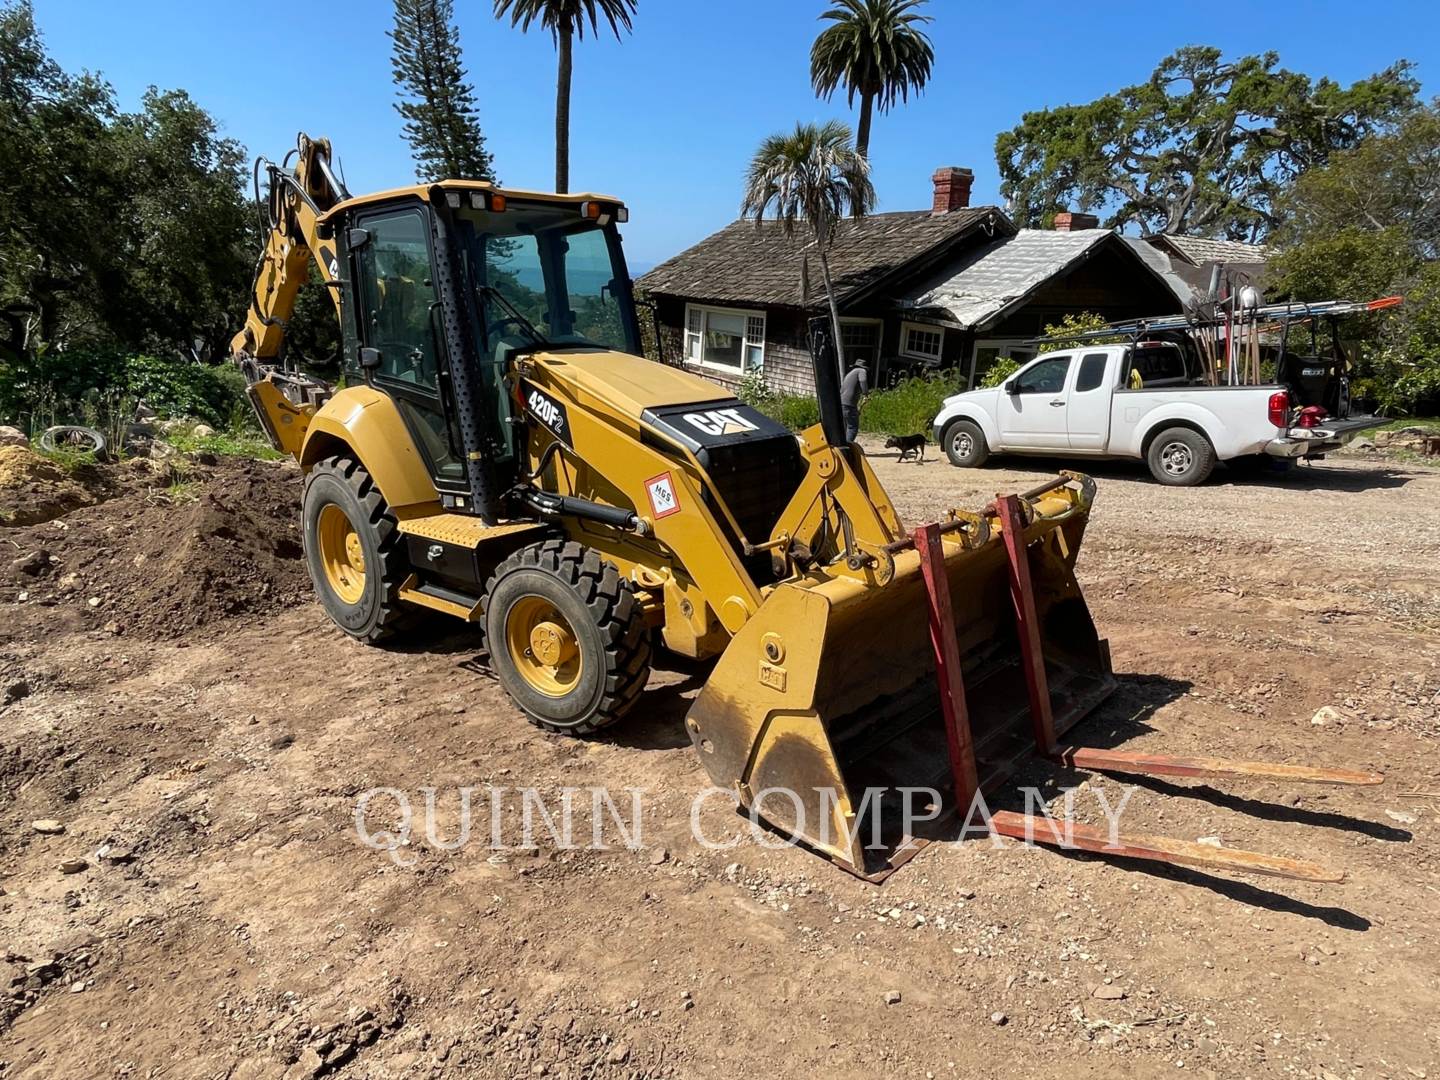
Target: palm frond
(812,175)
(552,15)
(872,47)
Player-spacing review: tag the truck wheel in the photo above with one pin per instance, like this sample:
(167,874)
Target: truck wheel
(566,637)
(1180,457)
(965,444)
(353,549)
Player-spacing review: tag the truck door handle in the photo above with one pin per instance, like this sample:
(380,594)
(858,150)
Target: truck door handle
(1056,404)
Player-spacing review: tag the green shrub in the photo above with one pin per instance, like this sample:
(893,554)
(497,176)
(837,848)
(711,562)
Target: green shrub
(185,389)
(909,407)
(95,387)
(1083,323)
(72,461)
(233,443)
(795,411)
(999,371)
(753,389)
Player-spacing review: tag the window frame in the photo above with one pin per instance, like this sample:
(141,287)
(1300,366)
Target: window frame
(750,315)
(437,399)
(925,328)
(1004,347)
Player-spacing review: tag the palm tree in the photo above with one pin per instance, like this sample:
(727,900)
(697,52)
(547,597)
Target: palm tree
(812,174)
(874,48)
(565,19)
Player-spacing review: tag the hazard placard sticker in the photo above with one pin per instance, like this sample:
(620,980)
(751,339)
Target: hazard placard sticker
(661,490)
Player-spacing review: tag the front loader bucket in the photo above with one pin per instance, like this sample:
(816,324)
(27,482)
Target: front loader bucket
(825,704)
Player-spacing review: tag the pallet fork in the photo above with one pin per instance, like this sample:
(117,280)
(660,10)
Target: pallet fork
(1011,513)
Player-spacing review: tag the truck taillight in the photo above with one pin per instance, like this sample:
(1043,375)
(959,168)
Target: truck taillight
(1280,409)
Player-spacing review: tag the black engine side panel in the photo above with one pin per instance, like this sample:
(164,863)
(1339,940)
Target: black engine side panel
(753,462)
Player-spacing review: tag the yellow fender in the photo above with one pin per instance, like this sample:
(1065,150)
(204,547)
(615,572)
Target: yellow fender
(366,423)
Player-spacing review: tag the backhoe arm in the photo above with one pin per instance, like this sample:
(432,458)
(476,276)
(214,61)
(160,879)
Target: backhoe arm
(298,197)
(302,189)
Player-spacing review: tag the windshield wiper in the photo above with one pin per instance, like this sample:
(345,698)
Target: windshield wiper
(489,291)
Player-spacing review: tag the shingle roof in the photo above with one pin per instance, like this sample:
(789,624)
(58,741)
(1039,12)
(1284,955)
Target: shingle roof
(749,263)
(1201,249)
(1163,264)
(993,278)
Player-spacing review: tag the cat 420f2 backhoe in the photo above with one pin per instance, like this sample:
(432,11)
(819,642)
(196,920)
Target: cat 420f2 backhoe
(502,453)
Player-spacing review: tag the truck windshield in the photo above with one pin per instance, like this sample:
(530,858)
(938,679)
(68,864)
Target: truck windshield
(563,277)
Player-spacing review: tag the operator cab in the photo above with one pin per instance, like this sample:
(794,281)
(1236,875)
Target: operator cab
(528,272)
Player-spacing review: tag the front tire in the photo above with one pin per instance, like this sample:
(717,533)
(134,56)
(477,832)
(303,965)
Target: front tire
(965,444)
(1180,457)
(566,636)
(354,550)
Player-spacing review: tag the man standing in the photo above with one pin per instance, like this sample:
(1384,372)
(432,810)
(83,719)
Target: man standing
(855,386)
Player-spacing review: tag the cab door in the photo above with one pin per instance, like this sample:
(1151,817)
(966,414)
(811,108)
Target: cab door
(1032,406)
(392,260)
(1087,405)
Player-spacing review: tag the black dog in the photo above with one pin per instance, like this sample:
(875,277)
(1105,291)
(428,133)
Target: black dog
(907,445)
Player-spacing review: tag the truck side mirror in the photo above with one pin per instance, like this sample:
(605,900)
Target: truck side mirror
(1012,387)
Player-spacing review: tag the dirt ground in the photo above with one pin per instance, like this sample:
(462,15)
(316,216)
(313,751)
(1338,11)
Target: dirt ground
(177,702)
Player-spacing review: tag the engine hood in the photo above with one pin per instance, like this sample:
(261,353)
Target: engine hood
(693,412)
(983,394)
(629,385)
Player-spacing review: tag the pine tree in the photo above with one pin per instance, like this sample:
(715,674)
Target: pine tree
(442,124)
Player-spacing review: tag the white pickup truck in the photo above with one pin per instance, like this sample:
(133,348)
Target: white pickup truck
(1138,402)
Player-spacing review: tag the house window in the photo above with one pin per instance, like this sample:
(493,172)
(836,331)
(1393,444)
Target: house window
(921,341)
(988,350)
(724,338)
(860,340)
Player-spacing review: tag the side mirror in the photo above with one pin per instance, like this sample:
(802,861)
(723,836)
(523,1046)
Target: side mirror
(1012,387)
(369,358)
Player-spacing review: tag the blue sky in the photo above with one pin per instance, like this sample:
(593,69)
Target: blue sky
(667,120)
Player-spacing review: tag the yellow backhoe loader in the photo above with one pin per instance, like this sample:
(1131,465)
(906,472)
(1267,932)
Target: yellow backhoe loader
(502,453)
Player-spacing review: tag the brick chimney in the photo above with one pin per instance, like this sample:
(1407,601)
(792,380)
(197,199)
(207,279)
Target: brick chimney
(952,189)
(1073,221)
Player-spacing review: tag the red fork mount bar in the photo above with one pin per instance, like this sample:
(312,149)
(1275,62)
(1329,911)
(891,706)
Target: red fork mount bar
(1009,510)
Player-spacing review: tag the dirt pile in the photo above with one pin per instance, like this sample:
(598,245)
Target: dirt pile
(33,489)
(162,562)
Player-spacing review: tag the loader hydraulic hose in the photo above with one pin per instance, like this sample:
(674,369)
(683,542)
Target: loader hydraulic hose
(547,504)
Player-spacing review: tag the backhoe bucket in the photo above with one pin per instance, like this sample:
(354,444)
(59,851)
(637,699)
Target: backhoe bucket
(825,705)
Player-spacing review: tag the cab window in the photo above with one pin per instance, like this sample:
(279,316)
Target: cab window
(1091,373)
(1046,377)
(397,295)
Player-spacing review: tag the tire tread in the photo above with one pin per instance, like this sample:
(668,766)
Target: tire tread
(394,615)
(614,611)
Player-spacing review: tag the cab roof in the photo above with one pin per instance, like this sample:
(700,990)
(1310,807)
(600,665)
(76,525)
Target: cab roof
(425,192)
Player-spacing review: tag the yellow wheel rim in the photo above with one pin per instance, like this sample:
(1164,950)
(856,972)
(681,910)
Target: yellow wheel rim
(542,646)
(341,554)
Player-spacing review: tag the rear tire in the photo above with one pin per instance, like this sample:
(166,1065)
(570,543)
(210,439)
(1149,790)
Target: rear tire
(354,550)
(965,444)
(1180,457)
(566,636)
